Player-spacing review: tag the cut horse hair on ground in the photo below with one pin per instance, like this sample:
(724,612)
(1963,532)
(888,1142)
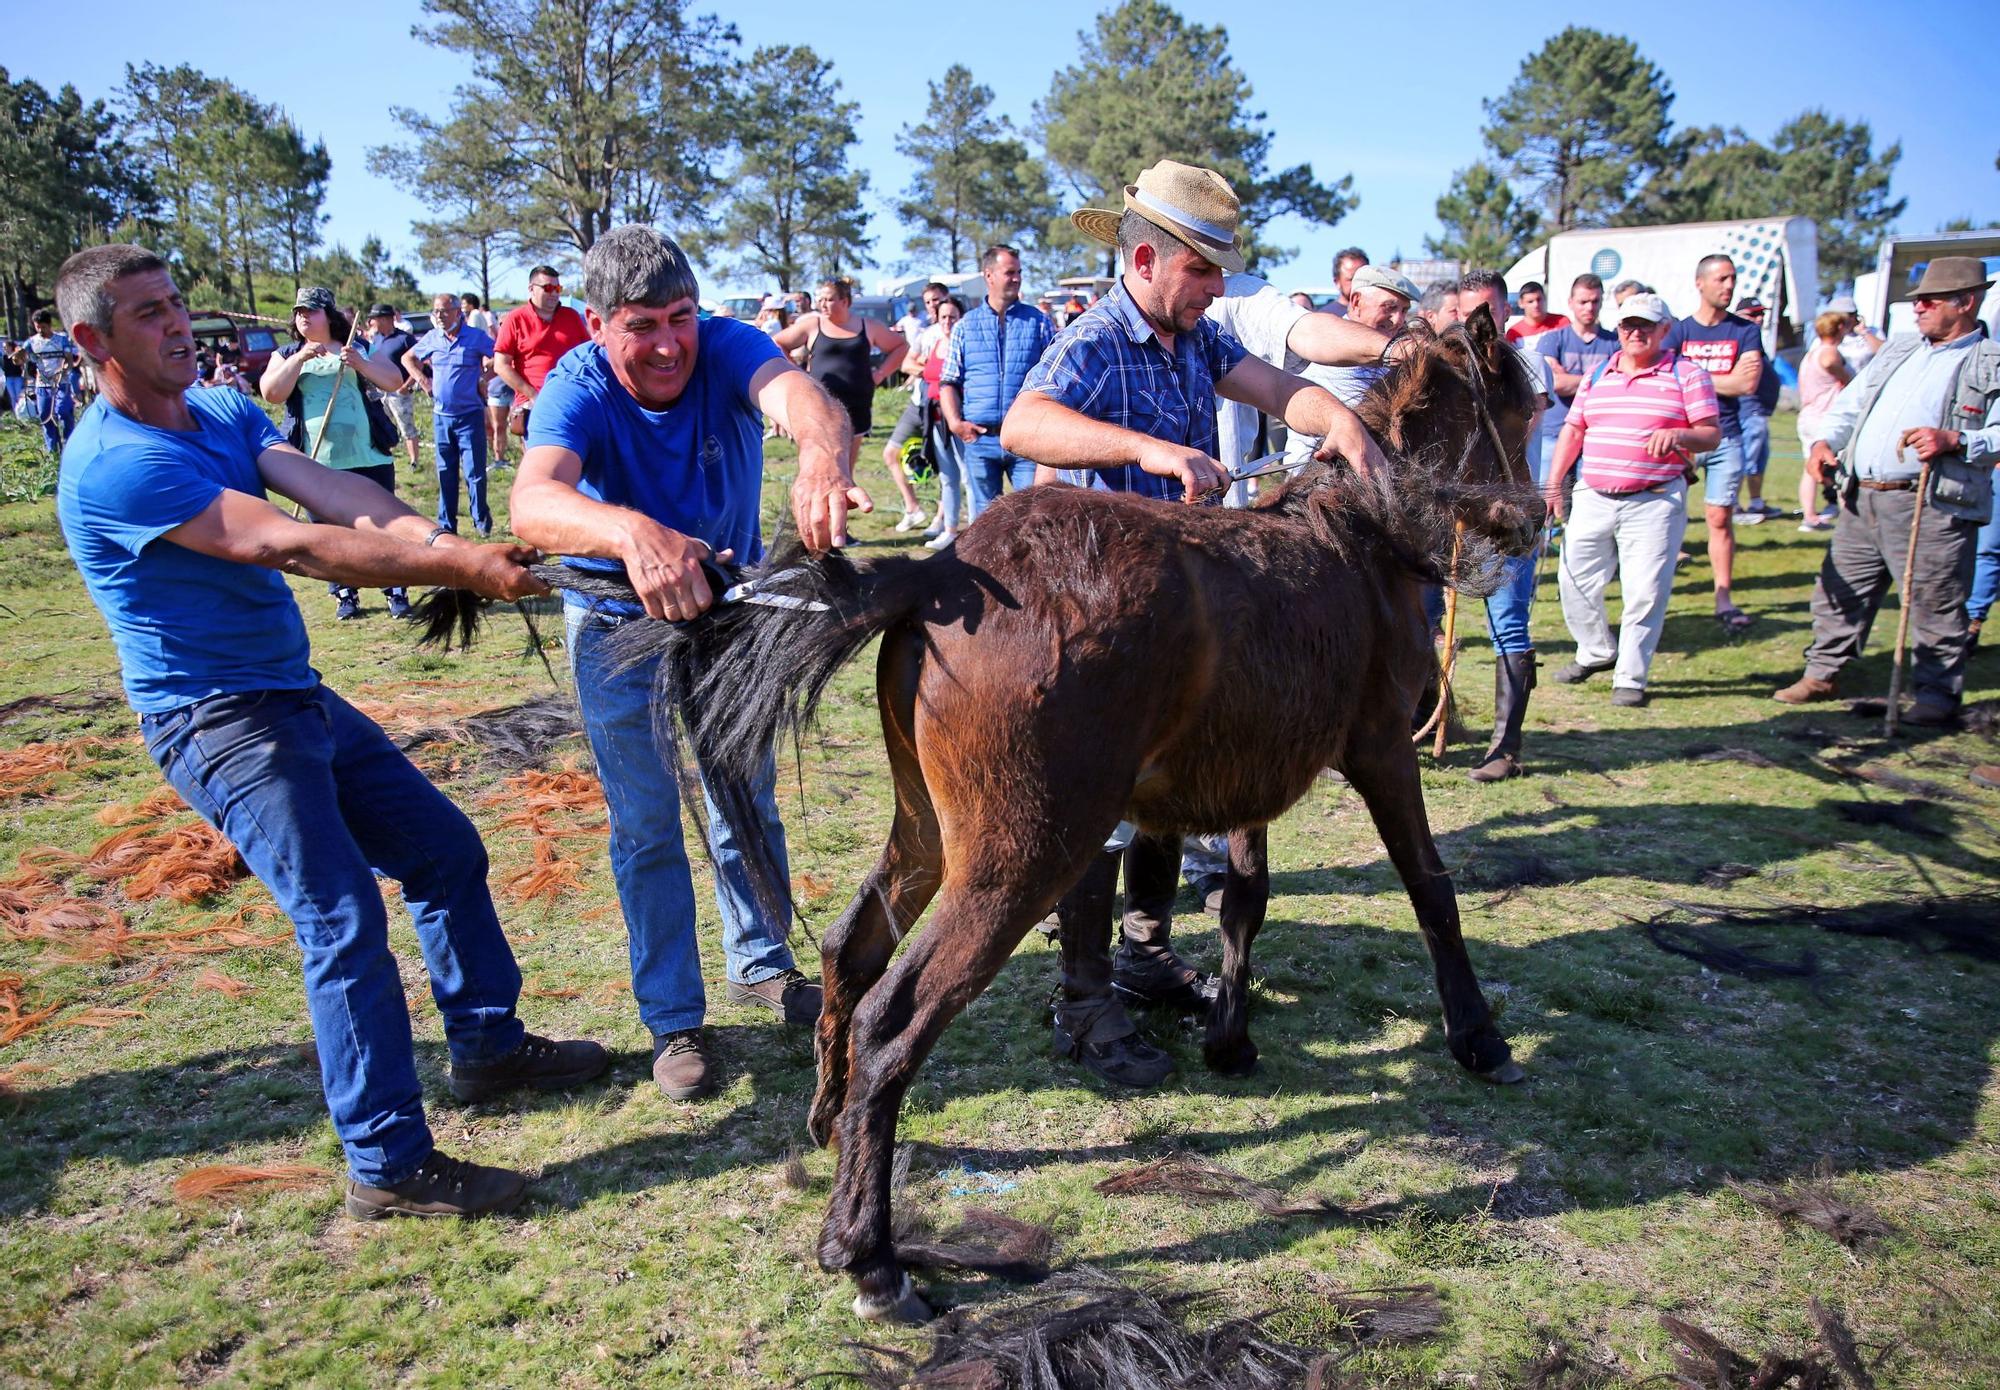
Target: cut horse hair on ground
(227,1179)
(984,1241)
(1086,1329)
(1184,1175)
(1814,1204)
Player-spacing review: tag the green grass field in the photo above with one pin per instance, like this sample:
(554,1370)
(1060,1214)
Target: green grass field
(662,1247)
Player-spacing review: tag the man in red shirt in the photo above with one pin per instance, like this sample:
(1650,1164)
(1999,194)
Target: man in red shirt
(1535,318)
(532,339)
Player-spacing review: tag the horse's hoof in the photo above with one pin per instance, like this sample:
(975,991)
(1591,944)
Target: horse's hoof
(1237,1059)
(907,1306)
(1508,1073)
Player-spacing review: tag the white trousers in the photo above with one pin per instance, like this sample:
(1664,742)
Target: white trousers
(1635,537)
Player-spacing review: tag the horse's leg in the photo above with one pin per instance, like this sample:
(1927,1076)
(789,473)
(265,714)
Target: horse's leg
(1382,766)
(944,969)
(856,950)
(1245,895)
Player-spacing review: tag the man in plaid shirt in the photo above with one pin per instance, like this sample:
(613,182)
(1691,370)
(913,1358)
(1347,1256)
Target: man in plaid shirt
(1124,400)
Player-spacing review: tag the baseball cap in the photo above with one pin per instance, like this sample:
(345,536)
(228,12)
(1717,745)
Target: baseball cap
(1747,303)
(1841,304)
(315,297)
(381,309)
(1649,307)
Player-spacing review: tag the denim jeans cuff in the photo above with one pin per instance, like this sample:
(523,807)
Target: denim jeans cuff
(485,1044)
(659,1025)
(756,975)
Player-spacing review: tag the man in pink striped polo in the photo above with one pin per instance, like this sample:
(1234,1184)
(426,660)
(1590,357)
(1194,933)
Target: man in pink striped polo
(1634,428)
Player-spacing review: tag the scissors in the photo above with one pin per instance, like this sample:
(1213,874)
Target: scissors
(754,590)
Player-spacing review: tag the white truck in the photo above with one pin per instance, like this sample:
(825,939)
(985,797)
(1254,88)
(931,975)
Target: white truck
(1902,260)
(1777,261)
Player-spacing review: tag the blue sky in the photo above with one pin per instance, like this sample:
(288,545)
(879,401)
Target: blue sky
(1390,95)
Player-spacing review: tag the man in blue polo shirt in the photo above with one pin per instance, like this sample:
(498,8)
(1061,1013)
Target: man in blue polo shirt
(452,362)
(991,350)
(1124,400)
(163,505)
(646,454)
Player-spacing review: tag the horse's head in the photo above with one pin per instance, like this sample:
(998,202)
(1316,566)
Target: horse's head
(1488,398)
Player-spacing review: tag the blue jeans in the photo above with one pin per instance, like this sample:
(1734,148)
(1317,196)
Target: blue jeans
(649,859)
(1756,426)
(1506,610)
(1985,568)
(988,466)
(55,407)
(951,477)
(318,801)
(458,435)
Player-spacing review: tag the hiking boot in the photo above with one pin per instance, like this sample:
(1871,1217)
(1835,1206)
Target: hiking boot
(1208,888)
(680,1065)
(538,1064)
(399,603)
(1986,775)
(1930,712)
(1804,690)
(1576,673)
(348,607)
(1628,697)
(442,1186)
(1123,1058)
(788,994)
(1162,979)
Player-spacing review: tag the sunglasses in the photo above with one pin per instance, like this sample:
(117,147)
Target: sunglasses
(1637,327)
(546,285)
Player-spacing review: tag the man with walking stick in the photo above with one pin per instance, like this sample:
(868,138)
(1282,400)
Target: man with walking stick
(1915,440)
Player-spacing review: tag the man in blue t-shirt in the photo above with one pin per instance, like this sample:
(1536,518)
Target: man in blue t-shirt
(163,505)
(1753,413)
(453,362)
(1731,350)
(646,454)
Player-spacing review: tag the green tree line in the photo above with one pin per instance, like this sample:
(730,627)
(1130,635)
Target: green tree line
(1584,137)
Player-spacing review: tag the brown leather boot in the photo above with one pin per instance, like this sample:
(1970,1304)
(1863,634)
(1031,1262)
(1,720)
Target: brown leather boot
(1513,678)
(1804,691)
(680,1065)
(442,1186)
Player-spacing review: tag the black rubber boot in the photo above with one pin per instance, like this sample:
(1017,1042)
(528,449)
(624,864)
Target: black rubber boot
(1513,678)
(1146,969)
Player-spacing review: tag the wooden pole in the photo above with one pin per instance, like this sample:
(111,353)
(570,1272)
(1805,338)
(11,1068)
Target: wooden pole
(339,376)
(1441,717)
(1903,620)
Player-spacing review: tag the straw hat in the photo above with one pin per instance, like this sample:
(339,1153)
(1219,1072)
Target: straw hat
(1194,206)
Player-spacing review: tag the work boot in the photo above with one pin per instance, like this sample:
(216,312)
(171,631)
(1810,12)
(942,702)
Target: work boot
(1513,678)
(1146,969)
(788,994)
(1805,690)
(441,1186)
(1091,1025)
(680,1065)
(1929,711)
(537,1063)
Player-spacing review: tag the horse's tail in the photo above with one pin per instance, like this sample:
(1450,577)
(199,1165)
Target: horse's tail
(733,680)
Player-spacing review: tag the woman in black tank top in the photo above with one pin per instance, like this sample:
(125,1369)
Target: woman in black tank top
(837,343)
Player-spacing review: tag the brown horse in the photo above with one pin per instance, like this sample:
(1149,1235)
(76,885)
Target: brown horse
(1081,657)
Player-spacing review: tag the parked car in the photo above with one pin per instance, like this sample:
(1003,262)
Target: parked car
(255,341)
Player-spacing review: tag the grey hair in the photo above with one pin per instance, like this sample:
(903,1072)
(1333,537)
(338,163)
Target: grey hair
(1135,231)
(1435,296)
(83,285)
(634,264)
(1625,287)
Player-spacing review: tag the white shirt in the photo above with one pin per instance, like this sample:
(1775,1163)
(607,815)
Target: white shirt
(1261,318)
(481,319)
(1913,397)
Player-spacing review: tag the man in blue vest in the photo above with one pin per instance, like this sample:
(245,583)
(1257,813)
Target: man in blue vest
(1926,407)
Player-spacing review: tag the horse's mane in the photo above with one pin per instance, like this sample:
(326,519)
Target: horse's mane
(1411,511)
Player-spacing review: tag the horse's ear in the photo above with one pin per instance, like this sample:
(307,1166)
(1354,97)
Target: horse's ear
(1483,331)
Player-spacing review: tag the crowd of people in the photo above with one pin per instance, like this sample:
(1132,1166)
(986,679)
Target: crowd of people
(642,423)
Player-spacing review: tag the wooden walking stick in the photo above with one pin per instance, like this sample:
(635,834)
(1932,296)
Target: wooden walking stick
(340,375)
(1903,620)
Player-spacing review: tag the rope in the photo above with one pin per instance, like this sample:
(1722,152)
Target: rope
(1448,663)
